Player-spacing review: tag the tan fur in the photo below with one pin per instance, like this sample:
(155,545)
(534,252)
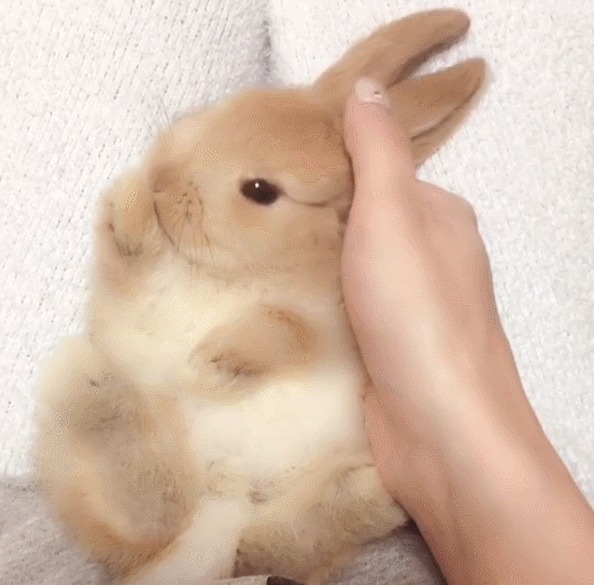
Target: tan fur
(108,457)
(209,423)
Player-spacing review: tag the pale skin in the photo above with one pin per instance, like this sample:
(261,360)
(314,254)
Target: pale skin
(453,433)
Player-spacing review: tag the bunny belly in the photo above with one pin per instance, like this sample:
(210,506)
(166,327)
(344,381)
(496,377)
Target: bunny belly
(277,429)
(285,429)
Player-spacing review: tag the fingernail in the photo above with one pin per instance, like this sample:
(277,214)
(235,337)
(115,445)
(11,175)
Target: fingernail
(370,91)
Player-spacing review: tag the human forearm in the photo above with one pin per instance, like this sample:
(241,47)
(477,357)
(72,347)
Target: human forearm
(500,508)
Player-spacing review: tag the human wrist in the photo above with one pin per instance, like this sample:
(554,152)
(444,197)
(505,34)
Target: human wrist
(457,392)
(490,498)
(472,412)
(475,440)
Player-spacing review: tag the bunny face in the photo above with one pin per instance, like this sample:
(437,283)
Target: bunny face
(262,179)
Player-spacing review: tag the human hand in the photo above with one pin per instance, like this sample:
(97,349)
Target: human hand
(417,282)
(454,437)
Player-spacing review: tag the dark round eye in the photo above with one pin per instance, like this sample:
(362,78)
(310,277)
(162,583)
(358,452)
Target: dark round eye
(260,191)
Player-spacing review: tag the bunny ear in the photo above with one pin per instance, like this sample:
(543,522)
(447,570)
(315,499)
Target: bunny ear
(431,107)
(391,52)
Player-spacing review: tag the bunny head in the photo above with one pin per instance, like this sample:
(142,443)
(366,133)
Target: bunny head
(262,180)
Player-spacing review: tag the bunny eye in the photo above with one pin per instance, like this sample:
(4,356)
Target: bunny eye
(260,191)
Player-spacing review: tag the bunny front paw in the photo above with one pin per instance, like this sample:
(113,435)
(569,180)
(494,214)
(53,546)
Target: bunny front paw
(128,224)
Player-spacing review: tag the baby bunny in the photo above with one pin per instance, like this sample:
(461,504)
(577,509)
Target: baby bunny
(208,423)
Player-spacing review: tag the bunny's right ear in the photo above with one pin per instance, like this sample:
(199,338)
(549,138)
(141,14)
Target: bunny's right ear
(430,107)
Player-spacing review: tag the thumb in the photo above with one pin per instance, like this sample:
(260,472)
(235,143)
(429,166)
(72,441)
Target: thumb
(379,147)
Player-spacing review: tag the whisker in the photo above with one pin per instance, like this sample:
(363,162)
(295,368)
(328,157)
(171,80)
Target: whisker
(178,223)
(163,111)
(181,235)
(209,249)
(195,246)
(151,125)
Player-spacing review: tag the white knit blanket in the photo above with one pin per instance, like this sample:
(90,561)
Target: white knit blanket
(34,551)
(84,84)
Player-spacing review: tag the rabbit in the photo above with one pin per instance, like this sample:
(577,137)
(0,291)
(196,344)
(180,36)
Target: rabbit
(208,422)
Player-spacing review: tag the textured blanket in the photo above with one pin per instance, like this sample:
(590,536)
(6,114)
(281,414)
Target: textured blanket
(33,550)
(84,84)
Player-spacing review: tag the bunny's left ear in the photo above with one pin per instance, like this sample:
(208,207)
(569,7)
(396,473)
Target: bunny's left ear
(392,52)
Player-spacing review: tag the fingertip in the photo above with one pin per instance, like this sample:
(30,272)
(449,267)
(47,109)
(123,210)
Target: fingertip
(374,139)
(368,96)
(358,116)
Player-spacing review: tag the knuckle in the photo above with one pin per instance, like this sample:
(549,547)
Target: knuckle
(462,209)
(467,210)
(450,206)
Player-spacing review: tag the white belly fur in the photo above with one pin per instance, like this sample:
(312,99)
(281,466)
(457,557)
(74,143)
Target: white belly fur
(285,424)
(152,335)
(282,426)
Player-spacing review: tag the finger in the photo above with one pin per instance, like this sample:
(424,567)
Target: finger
(379,147)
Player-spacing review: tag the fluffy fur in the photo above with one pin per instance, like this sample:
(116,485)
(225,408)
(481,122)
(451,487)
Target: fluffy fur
(209,421)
